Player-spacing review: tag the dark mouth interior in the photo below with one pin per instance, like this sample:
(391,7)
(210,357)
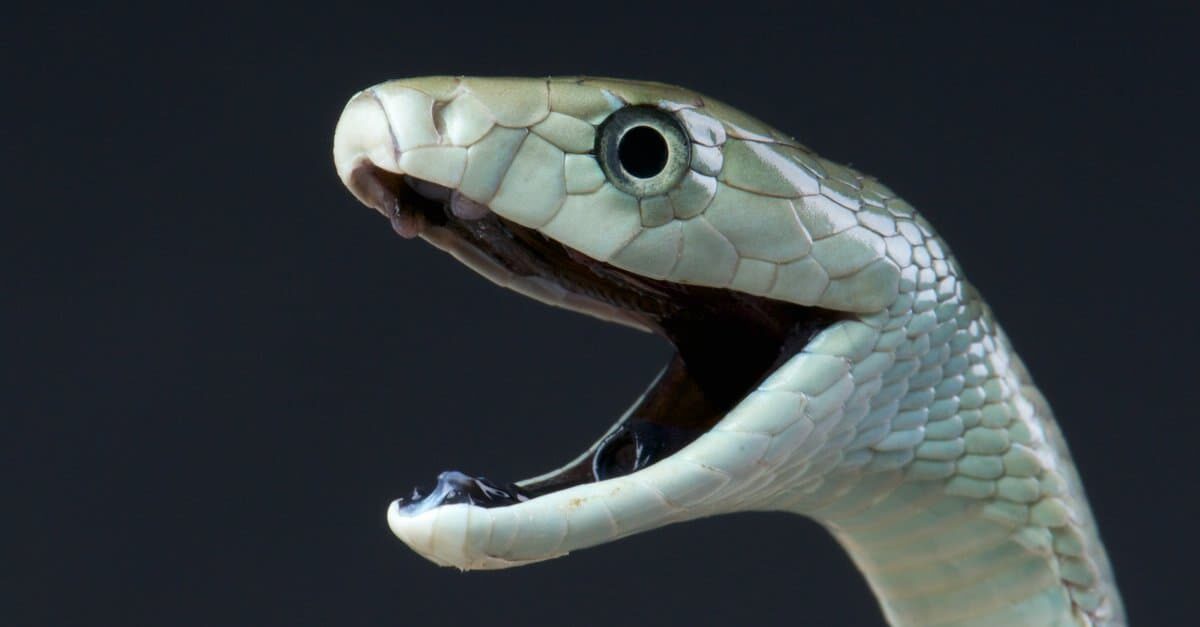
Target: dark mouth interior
(725,342)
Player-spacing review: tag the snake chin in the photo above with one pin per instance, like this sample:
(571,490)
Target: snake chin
(725,341)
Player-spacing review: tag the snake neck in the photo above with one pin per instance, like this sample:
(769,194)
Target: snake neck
(951,487)
(934,559)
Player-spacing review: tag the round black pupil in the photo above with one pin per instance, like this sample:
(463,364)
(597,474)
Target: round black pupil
(642,152)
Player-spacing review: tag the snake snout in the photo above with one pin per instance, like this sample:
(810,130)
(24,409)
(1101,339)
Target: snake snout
(365,155)
(363,138)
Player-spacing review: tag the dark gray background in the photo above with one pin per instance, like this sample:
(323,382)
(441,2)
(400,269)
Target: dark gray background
(219,368)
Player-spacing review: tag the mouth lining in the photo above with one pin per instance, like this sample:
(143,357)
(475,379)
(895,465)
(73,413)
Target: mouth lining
(726,342)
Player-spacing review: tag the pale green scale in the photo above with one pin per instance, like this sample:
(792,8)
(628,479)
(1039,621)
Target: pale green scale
(569,134)
(539,165)
(488,161)
(909,429)
(656,211)
(464,120)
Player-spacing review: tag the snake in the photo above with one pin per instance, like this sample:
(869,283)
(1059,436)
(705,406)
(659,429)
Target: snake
(830,358)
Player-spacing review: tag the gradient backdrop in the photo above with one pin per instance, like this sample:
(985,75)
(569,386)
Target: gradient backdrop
(219,368)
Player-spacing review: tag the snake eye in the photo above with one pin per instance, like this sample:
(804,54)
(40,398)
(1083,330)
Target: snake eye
(643,150)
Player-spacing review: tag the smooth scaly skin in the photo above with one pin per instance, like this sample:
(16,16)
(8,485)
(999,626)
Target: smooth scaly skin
(911,431)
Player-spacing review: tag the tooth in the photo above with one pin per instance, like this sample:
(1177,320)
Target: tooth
(465,208)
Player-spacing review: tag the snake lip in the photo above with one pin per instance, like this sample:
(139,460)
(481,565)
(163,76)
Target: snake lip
(389,193)
(710,328)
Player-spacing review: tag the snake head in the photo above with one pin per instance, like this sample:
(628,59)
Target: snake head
(642,204)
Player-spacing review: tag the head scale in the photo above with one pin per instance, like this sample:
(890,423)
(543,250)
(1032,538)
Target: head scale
(650,178)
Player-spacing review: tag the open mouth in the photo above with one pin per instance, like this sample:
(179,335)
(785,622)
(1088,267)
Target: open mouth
(725,342)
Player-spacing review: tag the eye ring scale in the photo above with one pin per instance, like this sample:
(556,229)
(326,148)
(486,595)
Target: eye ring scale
(643,150)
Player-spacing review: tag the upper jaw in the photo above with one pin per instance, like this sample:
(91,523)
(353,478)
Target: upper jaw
(366,153)
(474,235)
